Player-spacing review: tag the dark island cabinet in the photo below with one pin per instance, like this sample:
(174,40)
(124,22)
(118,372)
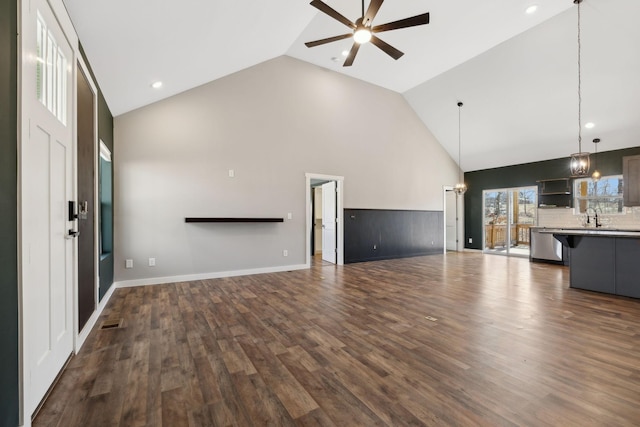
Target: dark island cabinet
(604,264)
(593,264)
(628,267)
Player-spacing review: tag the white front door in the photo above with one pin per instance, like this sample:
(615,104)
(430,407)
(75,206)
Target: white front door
(46,164)
(329,222)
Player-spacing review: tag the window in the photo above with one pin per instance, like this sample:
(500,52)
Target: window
(605,195)
(51,73)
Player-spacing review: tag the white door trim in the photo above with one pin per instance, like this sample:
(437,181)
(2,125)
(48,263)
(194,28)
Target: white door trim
(340,215)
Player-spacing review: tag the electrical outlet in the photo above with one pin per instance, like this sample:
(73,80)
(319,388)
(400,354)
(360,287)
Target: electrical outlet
(152,262)
(375,247)
(128,263)
(470,240)
(289,215)
(285,253)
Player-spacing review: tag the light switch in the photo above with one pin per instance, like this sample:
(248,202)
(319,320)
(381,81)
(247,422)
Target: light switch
(232,173)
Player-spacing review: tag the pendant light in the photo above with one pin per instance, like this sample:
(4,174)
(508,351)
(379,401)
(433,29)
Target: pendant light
(580,160)
(460,187)
(595,176)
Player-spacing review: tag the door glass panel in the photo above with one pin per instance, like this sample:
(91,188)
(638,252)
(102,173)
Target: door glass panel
(51,72)
(508,215)
(495,220)
(106,201)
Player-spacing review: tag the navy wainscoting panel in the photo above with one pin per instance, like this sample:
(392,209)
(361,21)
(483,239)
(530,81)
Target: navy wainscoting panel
(375,234)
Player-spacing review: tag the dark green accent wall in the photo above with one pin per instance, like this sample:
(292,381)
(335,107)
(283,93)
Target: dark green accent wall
(375,234)
(9,394)
(608,163)
(105,133)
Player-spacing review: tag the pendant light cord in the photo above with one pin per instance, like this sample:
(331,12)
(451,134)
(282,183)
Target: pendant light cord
(363,8)
(460,139)
(579,82)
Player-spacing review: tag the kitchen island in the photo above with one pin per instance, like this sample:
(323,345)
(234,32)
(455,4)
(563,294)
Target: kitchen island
(602,260)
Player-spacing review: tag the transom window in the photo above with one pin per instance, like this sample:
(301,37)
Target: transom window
(51,73)
(604,195)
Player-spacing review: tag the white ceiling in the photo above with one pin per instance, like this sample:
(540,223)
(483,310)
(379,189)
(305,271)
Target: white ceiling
(516,73)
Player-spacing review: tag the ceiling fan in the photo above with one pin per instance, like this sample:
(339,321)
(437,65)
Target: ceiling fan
(363,32)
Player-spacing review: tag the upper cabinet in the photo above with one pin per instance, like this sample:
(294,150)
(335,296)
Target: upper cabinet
(631,180)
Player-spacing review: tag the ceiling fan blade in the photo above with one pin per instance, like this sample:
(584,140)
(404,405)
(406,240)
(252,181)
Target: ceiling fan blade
(386,47)
(403,23)
(328,40)
(323,7)
(374,6)
(352,55)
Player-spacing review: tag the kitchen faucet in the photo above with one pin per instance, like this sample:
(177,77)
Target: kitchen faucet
(595,216)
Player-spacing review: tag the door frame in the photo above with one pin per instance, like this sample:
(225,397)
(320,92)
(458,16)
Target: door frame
(339,217)
(81,335)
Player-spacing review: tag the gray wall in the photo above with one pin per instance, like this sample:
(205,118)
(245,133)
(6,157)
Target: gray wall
(8,215)
(270,123)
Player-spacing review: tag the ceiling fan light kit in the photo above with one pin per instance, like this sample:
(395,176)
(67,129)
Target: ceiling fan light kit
(362,35)
(363,31)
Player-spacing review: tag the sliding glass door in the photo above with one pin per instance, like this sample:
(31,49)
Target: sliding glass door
(508,215)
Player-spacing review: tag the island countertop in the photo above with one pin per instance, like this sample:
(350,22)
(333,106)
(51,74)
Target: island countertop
(590,231)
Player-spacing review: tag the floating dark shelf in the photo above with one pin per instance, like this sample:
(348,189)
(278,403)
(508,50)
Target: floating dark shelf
(201,219)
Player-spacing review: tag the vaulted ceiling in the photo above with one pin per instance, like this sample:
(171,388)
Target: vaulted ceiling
(515,72)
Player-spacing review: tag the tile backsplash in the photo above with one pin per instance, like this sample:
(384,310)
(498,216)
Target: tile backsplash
(564,217)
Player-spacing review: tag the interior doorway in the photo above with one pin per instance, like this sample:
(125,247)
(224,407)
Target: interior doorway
(453,212)
(324,215)
(325,232)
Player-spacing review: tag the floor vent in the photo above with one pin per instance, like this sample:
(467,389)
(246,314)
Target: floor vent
(111,324)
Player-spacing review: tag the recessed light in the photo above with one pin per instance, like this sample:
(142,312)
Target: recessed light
(345,52)
(335,59)
(156,85)
(589,125)
(532,9)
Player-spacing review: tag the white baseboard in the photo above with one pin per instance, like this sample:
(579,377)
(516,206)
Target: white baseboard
(88,327)
(205,276)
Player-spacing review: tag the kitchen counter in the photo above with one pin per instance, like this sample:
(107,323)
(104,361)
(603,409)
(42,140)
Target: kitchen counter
(591,231)
(602,259)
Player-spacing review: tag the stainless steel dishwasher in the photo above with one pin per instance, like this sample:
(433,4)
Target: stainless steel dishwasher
(544,247)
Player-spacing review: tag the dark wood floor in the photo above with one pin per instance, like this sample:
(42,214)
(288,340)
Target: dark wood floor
(456,339)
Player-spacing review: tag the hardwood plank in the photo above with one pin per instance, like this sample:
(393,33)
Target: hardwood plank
(511,344)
